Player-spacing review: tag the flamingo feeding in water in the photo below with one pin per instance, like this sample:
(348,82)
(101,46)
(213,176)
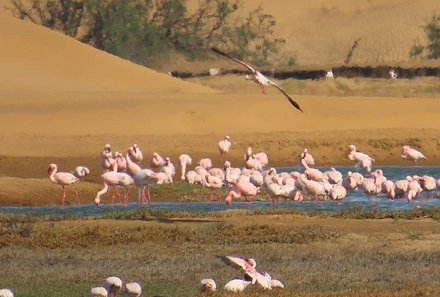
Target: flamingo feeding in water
(259,78)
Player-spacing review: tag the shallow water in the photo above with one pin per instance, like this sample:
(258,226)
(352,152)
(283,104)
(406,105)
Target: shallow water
(353,200)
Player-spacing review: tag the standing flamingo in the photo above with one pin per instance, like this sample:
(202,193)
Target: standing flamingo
(63,179)
(137,155)
(113,179)
(243,188)
(157,161)
(307,157)
(224,146)
(411,154)
(185,161)
(107,159)
(259,78)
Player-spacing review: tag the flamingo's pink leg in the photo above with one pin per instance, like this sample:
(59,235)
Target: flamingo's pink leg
(263,89)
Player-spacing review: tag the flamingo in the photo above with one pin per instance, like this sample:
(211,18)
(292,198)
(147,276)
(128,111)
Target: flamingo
(63,179)
(157,161)
(334,176)
(6,293)
(363,160)
(307,157)
(80,171)
(113,179)
(185,161)
(121,162)
(236,285)
(242,188)
(400,187)
(350,182)
(259,78)
(205,163)
(193,177)
(274,283)
(137,154)
(414,189)
(132,290)
(169,169)
(337,192)
(95,292)
(246,264)
(389,189)
(107,160)
(232,174)
(411,154)
(207,285)
(314,188)
(224,146)
(212,182)
(112,285)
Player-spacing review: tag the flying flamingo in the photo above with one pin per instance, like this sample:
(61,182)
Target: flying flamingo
(259,78)
(247,265)
(411,154)
(63,179)
(224,146)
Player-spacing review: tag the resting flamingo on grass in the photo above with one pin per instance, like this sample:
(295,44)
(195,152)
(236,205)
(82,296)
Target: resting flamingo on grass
(132,290)
(96,292)
(6,293)
(207,285)
(63,179)
(112,285)
(259,78)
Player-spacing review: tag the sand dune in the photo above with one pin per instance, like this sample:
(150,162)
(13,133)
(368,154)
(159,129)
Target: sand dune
(33,58)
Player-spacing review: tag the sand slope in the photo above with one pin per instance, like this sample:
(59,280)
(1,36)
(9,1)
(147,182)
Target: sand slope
(37,59)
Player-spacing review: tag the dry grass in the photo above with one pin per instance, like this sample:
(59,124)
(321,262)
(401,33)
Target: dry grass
(169,253)
(341,87)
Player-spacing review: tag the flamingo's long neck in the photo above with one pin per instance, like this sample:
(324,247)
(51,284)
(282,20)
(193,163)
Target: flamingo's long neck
(52,175)
(304,164)
(183,168)
(132,167)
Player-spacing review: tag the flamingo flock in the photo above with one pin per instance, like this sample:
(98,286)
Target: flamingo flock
(245,181)
(113,285)
(251,277)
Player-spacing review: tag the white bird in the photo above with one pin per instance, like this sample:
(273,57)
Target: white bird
(248,265)
(112,285)
(207,285)
(274,283)
(236,285)
(6,293)
(97,292)
(224,146)
(259,78)
(80,171)
(132,290)
(411,154)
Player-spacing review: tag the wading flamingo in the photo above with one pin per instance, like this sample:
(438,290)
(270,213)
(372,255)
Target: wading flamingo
(242,188)
(63,179)
(259,78)
(113,179)
(411,154)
